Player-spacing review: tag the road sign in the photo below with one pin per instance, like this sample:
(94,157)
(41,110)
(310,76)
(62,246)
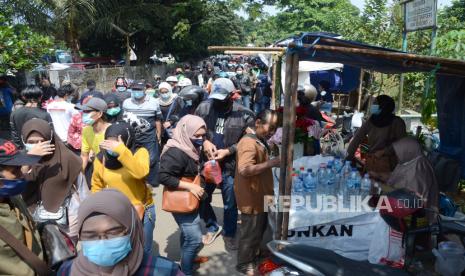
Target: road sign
(420,14)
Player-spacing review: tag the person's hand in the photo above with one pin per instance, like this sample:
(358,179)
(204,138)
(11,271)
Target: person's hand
(221,154)
(197,191)
(166,125)
(111,144)
(42,149)
(275,162)
(210,149)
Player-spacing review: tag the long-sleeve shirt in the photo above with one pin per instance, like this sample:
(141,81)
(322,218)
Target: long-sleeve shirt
(174,165)
(129,179)
(378,137)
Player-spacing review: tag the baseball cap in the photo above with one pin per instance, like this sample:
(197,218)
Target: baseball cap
(93,104)
(221,89)
(138,85)
(11,156)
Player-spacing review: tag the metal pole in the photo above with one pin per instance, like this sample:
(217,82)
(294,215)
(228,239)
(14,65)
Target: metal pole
(404,49)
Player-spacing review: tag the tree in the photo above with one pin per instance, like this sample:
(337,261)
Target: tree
(20,47)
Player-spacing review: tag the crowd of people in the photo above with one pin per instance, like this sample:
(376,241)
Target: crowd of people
(88,162)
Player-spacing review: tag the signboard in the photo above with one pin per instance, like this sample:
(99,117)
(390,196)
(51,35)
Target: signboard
(420,14)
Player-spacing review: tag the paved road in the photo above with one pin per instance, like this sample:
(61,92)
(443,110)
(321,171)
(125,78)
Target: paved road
(166,236)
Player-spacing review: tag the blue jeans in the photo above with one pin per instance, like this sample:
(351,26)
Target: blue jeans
(154,152)
(191,239)
(246,101)
(230,207)
(149,225)
(262,104)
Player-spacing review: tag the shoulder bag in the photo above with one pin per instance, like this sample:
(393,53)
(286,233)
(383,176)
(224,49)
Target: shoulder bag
(180,200)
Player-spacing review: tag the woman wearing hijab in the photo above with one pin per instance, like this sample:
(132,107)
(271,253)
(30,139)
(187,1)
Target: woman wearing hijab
(414,172)
(114,111)
(58,181)
(111,239)
(381,130)
(181,158)
(171,107)
(121,166)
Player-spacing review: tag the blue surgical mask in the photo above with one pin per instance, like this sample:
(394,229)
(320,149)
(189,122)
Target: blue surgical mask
(137,94)
(87,119)
(165,96)
(112,153)
(29,146)
(188,103)
(197,142)
(375,110)
(114,111)
(12,187)
(121,88)
(108,252)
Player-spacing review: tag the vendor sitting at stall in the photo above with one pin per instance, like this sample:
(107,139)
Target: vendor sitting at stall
(414,172)
(381,131)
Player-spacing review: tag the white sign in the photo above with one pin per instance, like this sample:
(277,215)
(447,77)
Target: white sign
(420,14)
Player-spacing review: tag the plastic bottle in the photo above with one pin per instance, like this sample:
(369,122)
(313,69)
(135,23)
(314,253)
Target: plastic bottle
(357,179)
(346,169)
(310,182)
(302,174)
(337,164)
(321,174)
(365,186)
(349,188)
(331,180)
(297,185)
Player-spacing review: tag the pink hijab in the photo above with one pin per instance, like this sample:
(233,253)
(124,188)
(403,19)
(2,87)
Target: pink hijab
(183,133)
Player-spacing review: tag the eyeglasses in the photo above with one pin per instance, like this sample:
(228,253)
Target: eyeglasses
(109,234)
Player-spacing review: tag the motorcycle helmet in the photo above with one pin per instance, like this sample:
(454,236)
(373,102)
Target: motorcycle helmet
(447,206)
(400,206)
(192,95)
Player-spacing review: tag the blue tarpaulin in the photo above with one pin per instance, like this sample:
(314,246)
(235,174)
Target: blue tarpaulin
(450,87)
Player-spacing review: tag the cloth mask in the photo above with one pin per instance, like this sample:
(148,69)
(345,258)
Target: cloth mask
(12,187)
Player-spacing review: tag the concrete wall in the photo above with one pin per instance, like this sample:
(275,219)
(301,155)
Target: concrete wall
(105,77)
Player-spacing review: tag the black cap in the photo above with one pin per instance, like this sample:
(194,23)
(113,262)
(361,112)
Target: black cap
(91,84)
(11,156)
(138,85)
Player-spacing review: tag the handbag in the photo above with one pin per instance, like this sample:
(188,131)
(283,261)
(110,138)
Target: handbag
(180,200)
(41,215)
(57,245)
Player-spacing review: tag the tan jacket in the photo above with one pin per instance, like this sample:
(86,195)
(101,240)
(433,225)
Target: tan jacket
(15,218)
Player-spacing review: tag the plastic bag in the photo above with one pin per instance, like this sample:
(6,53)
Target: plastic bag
(212,172)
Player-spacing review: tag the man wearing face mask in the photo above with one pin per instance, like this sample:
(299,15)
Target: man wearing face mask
(62,111)
(96,121)
(147,109)
(243,83)
(226,123)
(382,130)
(15,225)
(114,111)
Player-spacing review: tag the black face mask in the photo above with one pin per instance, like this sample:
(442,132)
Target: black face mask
(223,105)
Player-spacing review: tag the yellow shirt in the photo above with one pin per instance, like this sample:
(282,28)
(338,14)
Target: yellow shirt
(129,179)
(91,140)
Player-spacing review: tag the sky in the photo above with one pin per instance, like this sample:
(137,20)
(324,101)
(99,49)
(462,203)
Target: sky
(359,3)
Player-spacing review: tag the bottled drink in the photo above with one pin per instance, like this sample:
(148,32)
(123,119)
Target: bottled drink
(302,173)
(321,174)
(310,181)
(331,180)
(346,169)
(357,178)
(297,185)
(337,164)
(365,186)
(349,187)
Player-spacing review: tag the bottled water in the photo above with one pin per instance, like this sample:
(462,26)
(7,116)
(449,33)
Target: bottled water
(357,178)
(310,185)
(331,180)
(350,187)
(302,174)
(346,170)
(297,185)
(322,178)
(337,164)
(365,186)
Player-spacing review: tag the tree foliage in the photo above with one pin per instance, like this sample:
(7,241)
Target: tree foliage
(20,47)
